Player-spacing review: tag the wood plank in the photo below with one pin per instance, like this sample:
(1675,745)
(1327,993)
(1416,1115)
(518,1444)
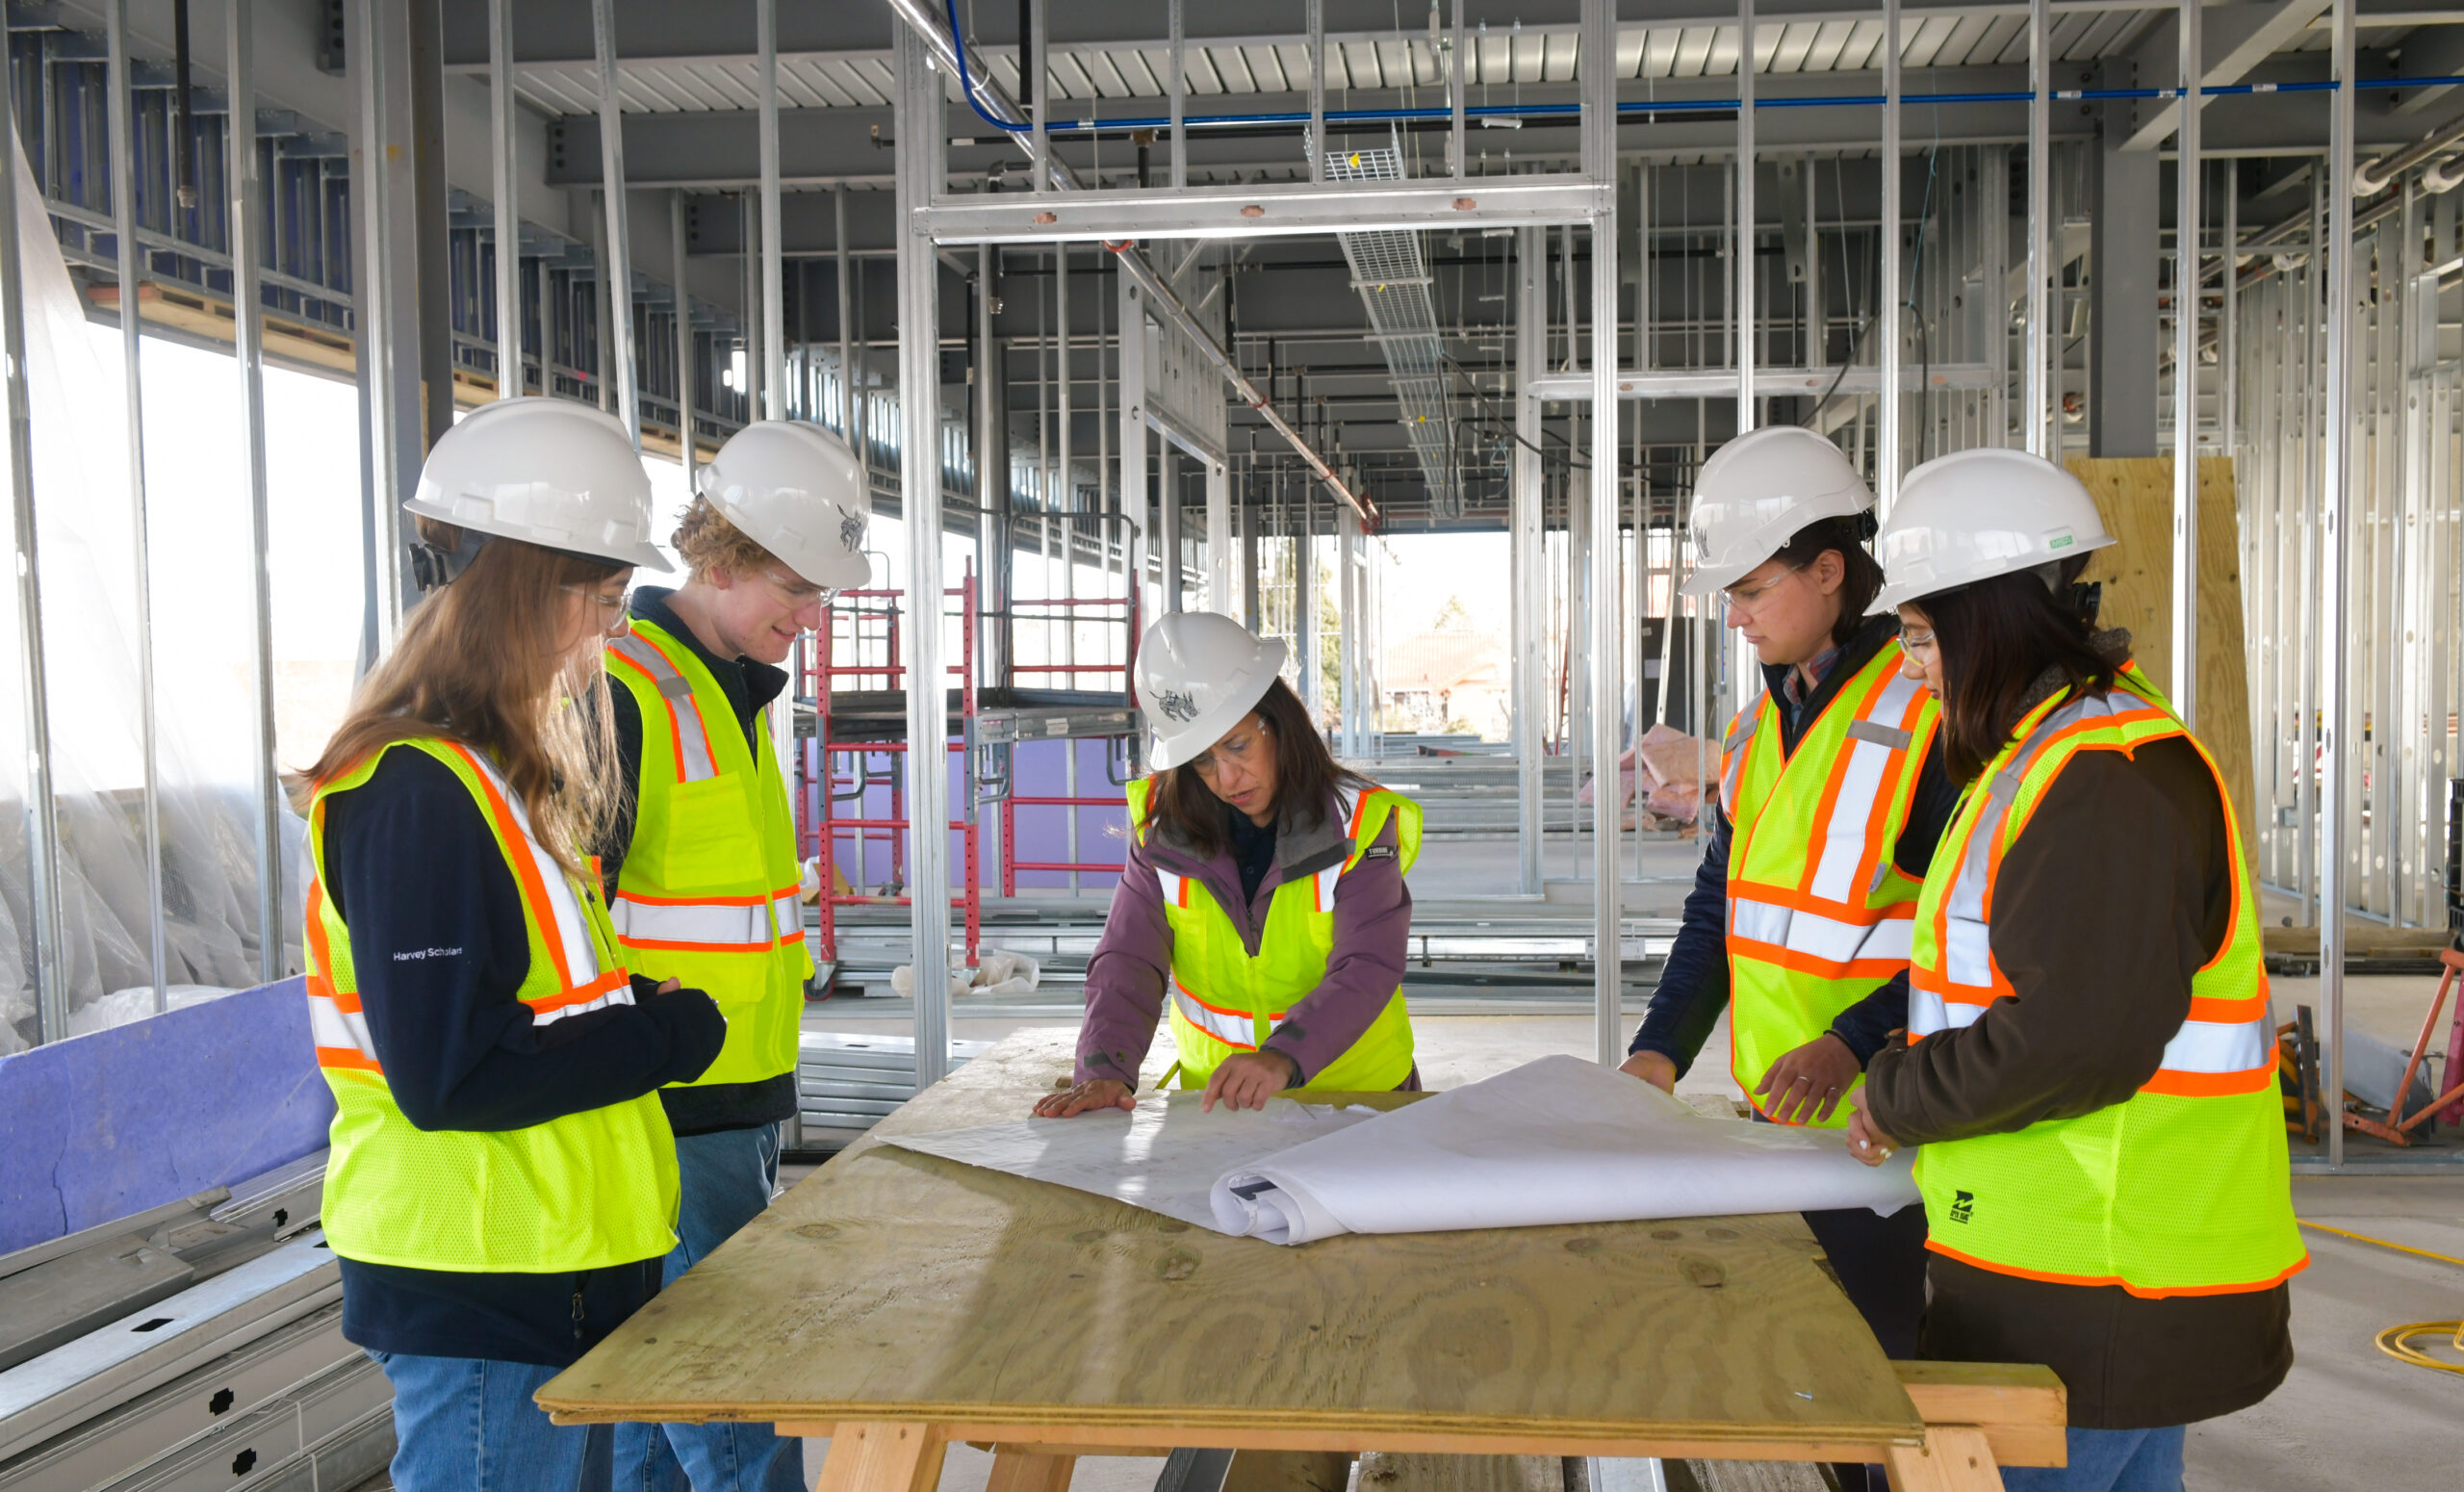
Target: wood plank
(1031,1471)
(1390,1471)
(1954,1458)
(883,1458)
(2023,1408)
(2134,497)
(892,1286)
(1289,1471)
(1747,1476)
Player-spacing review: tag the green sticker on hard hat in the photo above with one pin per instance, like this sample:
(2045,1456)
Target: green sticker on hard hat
(2061,541)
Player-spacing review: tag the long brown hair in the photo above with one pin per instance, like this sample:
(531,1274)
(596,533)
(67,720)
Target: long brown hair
(1999,638)
(1306,775)
(478,663)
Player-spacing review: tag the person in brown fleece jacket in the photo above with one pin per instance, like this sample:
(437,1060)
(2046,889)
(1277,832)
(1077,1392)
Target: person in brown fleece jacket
(2119,903)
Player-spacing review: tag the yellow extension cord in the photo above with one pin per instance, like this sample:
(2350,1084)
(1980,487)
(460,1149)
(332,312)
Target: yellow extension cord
(2397,1342)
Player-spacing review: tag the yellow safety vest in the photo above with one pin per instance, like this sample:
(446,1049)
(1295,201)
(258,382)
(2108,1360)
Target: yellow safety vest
(2183,1188)
(1225,1001)
(582,1191)
(707,891)
(1817,913)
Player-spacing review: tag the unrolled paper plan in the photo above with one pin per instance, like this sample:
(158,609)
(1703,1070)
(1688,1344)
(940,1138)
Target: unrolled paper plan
(1560,1140)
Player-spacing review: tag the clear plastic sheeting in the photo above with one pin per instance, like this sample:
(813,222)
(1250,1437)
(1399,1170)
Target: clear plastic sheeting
(209,805)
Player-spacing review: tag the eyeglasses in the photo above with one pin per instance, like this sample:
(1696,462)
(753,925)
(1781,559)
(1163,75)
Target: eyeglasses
(797,591)
(1916,642)
(1733,599)
(1209,763)
(613,619)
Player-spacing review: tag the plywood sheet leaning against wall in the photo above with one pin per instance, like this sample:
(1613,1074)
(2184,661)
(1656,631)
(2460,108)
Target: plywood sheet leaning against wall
(2135,495)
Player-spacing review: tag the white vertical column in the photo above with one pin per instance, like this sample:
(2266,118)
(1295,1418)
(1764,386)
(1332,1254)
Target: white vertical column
(2334,556)
(1744,329)
(2035,397)
(923,144)
(1887,326)
(124,156)
(1596,56)
(774,301)
(1221,594)
(2186,258)
(247,319)
(688,452)
(616,267)
(1529,554)
(1132,335)
(502,112)
(1349,634)
(1180,98)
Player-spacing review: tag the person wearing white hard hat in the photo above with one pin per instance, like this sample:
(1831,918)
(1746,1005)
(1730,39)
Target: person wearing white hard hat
(701,868)
(2089,1059)
(502,1187)
(1261,895)
(1830,801)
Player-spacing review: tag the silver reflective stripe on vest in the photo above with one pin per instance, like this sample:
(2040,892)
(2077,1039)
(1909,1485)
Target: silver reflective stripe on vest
(1170,885)
(788,909)
(2220,1046)
(1852,825)
(701,924)
(1733,750)
(1967,940)
(693,743)
(1834,939)
(329,1025)
(1231,1030)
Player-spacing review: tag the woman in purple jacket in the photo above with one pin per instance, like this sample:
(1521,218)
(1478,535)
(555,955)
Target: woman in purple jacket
(1263,892)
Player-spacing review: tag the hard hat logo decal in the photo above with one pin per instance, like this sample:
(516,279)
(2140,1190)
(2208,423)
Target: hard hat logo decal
(850,531)
(1177,704)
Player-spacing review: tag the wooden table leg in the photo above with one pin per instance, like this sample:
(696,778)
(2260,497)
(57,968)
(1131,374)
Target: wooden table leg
(1028,1470)
(1954,1458)
(877,1457)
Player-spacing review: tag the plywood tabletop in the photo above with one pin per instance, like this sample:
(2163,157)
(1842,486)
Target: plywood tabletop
(896,1287)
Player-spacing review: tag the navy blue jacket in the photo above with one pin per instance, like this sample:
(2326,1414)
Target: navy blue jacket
(1694,982)
(411,864)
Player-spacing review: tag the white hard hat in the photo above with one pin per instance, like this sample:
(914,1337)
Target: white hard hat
(1198,673)
(1978,514)
(798,491)
(1755,494)
(549,472)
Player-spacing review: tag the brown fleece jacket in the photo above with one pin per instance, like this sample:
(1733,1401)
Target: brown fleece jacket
(2118,890)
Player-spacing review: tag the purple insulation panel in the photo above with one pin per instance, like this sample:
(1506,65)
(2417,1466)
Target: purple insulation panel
(1044,830)
(100,1126)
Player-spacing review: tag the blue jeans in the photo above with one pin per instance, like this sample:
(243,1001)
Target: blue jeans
(467,1424)
(2108,1460)
(727,1179)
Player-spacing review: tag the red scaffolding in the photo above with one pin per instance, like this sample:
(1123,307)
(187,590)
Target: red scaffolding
(872,621)
(1012,802)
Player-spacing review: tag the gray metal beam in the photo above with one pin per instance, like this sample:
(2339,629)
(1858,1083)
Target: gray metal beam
(2235,38)
(2124,339)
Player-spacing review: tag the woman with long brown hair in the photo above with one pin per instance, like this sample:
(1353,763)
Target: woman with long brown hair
(502,1182)
(1262,889)
(2089,1059)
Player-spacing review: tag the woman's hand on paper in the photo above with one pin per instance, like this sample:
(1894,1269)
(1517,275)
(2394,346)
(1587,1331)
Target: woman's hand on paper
(1651,1067)
(1246,1080)
(1865,1139)
(1102,1093)
(1806,1084)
